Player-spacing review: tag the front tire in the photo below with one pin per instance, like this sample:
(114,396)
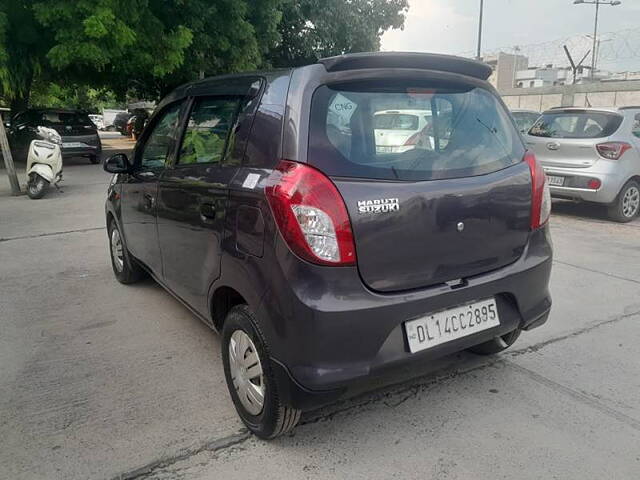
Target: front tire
(36,186)
(125,268)
(497,344)
(627,203)
(250,378)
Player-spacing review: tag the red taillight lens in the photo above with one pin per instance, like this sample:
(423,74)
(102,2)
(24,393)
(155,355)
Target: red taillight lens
(540,194)
(412,140)
(311,214)
(612,150)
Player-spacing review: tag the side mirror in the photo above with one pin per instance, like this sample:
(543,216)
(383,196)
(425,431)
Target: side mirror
(118,163)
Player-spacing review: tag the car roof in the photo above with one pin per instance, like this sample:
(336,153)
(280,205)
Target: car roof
(583,109)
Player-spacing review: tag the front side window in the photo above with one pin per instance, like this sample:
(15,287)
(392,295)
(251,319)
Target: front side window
(206,134)
(407,132)
(581,124)
(161,139)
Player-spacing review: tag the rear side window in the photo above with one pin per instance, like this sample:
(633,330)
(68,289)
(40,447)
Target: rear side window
(576,124)
(206,133)
(635,129)
(397,131)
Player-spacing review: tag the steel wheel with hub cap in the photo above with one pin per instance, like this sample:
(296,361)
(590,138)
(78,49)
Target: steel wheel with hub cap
(627,204)
(250,379)
(125,268)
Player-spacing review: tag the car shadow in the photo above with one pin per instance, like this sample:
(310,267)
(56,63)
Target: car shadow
(571,208)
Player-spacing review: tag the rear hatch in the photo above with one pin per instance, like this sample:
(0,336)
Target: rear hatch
(568,138)
(456,204)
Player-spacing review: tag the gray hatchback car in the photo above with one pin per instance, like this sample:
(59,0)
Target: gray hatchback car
(593,155)
(264,203)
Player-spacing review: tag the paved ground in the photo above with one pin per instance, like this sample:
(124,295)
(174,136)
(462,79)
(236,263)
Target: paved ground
(99,380)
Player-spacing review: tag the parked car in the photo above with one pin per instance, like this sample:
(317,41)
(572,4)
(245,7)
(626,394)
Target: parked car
(593,155)
(320,260)
(396,130)
(120,122)
(79,134)
(525,119)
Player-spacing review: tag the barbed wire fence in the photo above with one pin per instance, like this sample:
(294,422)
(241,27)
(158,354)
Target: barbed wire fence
(615,50)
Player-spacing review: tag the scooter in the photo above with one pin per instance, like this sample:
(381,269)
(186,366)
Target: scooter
(44,162)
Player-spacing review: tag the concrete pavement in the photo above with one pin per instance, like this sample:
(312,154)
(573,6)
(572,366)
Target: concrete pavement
(100,380)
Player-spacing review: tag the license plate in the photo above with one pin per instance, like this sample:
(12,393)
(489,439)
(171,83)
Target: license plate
(555,181)
(72,144)
(441,327)
(384,149)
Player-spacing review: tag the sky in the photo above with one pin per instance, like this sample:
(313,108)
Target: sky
(451,26)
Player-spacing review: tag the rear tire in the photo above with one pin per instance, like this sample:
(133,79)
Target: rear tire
(242,336)
(36,186)
(627,204)
(125,268)
(497,344)
(94,159)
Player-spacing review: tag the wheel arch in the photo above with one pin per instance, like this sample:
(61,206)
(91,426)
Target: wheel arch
(223,299)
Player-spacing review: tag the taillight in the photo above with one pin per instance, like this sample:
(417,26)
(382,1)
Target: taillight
(412,140)
(612,150)
(540,193)
(311,214)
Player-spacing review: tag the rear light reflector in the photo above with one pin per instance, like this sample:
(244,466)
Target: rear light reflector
(311,214)
(612,150)
(594,184)
(540,193)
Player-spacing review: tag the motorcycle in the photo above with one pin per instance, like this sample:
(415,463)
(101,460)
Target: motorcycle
(44,162)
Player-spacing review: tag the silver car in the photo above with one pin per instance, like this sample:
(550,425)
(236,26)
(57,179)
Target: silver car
(591,154)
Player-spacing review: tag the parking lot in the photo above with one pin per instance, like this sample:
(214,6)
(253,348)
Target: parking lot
(107,381)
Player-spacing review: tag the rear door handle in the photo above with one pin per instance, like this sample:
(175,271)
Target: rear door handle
(208,210)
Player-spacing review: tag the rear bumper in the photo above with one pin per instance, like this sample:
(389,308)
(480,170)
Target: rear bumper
(89,147)
(330,330)
(611,183)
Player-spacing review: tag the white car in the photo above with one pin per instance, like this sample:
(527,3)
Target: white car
(97,120)
(398,131)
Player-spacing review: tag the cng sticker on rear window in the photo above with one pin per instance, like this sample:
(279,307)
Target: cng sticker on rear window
(381,205)
(340,111)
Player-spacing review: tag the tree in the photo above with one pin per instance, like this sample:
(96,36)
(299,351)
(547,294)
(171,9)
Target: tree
(312,29)
(147,47)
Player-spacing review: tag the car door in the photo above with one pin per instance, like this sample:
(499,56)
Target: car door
(140,188)
(192,200)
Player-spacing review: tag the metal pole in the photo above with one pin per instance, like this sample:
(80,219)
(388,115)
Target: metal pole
(8,160)
(478,54)
(595,45)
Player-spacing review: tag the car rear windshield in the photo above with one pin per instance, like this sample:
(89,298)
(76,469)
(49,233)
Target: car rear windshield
(455,132)
(66,118)
(576,124)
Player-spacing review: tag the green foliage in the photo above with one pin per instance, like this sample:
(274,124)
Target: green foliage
(54,95)
(201,146)
(312,29)
(147,47)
